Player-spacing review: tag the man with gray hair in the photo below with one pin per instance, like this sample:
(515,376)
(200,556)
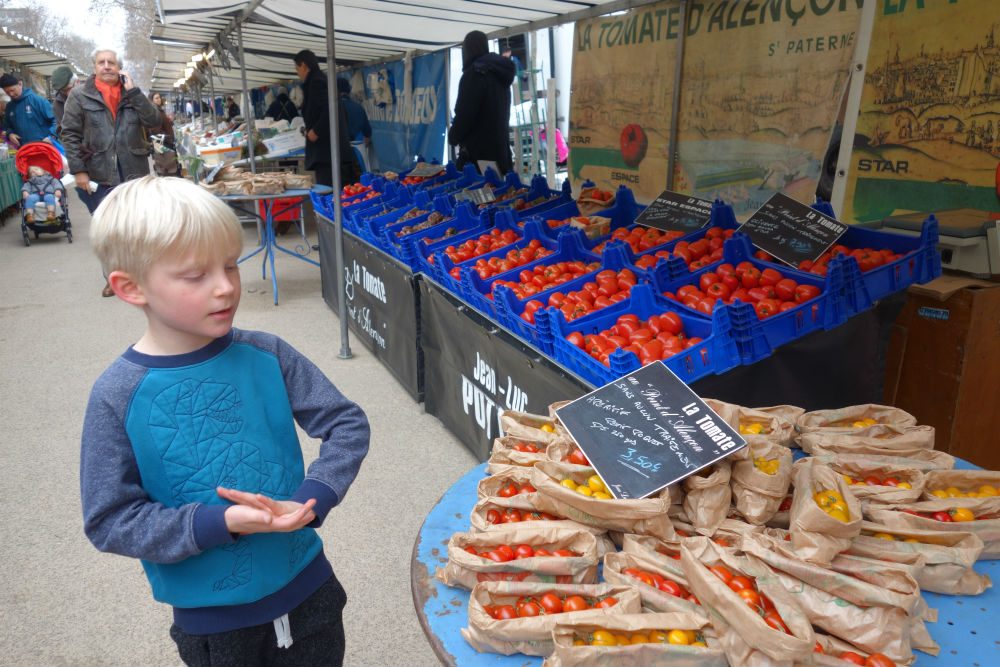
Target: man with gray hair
(103,132)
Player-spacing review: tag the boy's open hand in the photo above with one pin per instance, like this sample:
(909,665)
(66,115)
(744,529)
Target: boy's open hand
(256,513)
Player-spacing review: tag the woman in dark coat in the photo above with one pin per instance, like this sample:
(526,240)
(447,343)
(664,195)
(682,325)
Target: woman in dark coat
(316,114)
(481,126)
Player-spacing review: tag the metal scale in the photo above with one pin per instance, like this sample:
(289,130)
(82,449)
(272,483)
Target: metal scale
(969,238)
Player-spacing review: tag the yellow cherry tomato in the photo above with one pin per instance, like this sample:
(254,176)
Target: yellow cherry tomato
(826,498)
(579,642)
(939,493)
(603,638)
(987,490)
(622,640)
(548,428)
(658,636)
(912,539)
(904,485)
(678,637)
(569,484)
(839,515)
(839,507)
(638,638)
(858,424)
(953,492)
(848,479)
(584,490)
(962,514)
(595,483)
(603,495)
(884,536)
(699,644)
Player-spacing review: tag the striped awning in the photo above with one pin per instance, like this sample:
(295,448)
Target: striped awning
(24,51)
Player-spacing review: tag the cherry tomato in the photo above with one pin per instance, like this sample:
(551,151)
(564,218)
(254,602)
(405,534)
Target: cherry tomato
(879,660)
(493,516)
(506,551)
(751,597)
(575,603)
(722,572)
(507,490)
(773,619)
(672,587)
(529,609)
(551,603)
(496,556)
(505,612)
(604,603)
(541,551)
(524,551)
(472,550)
(851,656)
(563,553)
(740,583)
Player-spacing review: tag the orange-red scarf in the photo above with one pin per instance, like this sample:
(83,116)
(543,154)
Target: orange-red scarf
(112,94)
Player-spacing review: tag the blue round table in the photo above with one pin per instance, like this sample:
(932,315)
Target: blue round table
(964,628)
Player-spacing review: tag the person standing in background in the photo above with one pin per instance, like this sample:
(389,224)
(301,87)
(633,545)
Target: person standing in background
(63,81)
(481,125)
(282,107)
(358,127)
(316,114)
(232,108)
(28,116)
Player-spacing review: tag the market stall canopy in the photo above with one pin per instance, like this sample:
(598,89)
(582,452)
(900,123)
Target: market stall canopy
(172,59)
(24,51)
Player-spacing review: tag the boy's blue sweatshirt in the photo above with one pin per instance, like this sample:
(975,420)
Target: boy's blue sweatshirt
(162,432)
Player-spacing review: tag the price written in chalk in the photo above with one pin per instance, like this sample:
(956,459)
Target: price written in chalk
(674,212)
(792,231)
(647,430)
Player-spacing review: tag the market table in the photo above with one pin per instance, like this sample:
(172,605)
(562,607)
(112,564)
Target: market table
(10,183)
(964,628)
(268,243)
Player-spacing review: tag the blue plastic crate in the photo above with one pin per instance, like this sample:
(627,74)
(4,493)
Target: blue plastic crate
(537,189)
(475,290)
(622,214)
(393,197)
(460,219)
(442,266)
(416,204)
(469,179)
(509,308)
(759,338)
(384,229)
(716,353)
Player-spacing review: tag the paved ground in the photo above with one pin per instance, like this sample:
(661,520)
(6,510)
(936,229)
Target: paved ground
(62,602)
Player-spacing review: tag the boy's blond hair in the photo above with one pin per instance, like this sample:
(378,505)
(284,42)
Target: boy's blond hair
(145,219)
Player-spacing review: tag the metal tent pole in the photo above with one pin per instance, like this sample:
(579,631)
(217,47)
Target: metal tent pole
(247,112)
(675,106)
(211,85)
(338,214)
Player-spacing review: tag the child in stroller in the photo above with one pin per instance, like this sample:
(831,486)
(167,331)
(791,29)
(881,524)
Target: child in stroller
(42,186)
(41,165)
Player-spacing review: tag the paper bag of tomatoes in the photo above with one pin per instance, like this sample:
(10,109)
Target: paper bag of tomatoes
(660,589)
(511,451)
(760,480)
(663,555)
(650,640)
(783,517)
(567,453)
(749,608)
(510,617)
(825,516)
(962,484)
(592,200)
(835,652)
(707,497)
(980,516)
(910,446)
(509,488)
(774,425)
(947,557)
(881,479)
(853,419)
(487,516)
(537,428)
(582,496)
(518,552)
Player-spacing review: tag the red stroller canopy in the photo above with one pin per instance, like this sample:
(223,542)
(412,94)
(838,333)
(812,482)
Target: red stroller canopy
(39,154)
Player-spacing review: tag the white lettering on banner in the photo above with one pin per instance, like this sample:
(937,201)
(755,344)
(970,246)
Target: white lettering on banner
(474,395)
(363,316)
(421,110)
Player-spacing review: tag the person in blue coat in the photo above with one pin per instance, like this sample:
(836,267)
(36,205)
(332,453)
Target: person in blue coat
(29,116)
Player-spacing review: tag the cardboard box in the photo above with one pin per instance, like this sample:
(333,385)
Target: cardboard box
(292,142)
(943,365)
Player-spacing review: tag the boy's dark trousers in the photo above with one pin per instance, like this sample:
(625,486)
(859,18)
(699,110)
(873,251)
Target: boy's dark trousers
(317,630)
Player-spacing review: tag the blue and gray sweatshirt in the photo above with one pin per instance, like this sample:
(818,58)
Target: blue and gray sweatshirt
(162,432)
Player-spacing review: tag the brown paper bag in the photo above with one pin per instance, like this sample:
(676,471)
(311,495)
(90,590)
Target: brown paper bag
(728,611)
(633,655)
(664,555)
(988,530)
(965,481)
(728,535)
(503,454)
(707,497)
(494,486)
(947,558)
(778,423)
(915,442)
(647,516)
(860,467)
(841,420)
(817,536)
(465,570)
(653,597)
(479,522)
(533,636)
(559,452)
(757,494)
(527,426)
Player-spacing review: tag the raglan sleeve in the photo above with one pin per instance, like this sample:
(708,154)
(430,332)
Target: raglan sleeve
(326,414)
(118,515)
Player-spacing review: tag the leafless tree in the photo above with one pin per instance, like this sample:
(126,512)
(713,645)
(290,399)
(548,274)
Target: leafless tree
(140,53)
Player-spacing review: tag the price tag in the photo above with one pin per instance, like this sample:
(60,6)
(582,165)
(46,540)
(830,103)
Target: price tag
(792,231)
(479,196)
(647,430)
(674,212)
(426,170)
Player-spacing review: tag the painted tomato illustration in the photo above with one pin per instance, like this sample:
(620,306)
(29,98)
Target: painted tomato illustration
(633,144)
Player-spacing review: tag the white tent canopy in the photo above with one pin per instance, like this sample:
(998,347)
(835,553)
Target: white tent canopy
(23,50)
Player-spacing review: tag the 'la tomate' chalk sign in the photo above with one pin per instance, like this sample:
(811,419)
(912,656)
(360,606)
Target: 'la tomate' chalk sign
(792,231)
(647,430)
(674,212)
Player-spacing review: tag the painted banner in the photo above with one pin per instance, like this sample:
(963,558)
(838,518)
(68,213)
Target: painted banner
(928,134)
(620,106)
(406,126)
(761,86)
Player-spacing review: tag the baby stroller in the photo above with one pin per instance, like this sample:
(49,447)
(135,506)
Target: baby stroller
(48,157)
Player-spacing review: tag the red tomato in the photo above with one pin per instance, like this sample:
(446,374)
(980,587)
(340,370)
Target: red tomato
(770,277)
(524,551)
(529,609)
(506,551)
(741,583)
(507,490)
(541,551)
(526,488)
(604,603)
(496,556)
(751,597)
(472,550)
(805,292)
(563,553)
(941,516)
(575,603)
(493,516)
(672,587)
(773,619)
(671,323)
(718,290)
(505,612)
(576,338)
(785,289)
(851,656)
(879,660)
(722,572)
(551,603)
(706,280)
(766,308)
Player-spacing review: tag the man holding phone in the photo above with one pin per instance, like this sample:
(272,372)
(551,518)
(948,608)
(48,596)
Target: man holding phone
(103,131)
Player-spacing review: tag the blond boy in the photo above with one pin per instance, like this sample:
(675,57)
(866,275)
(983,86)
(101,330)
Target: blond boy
(190,458)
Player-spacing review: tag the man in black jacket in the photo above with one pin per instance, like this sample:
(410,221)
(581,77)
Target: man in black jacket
(316,114)
(481,125)
(282,107)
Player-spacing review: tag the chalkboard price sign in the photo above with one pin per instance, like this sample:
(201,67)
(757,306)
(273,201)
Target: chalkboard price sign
(647,430)
(674,212)
(792,231)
